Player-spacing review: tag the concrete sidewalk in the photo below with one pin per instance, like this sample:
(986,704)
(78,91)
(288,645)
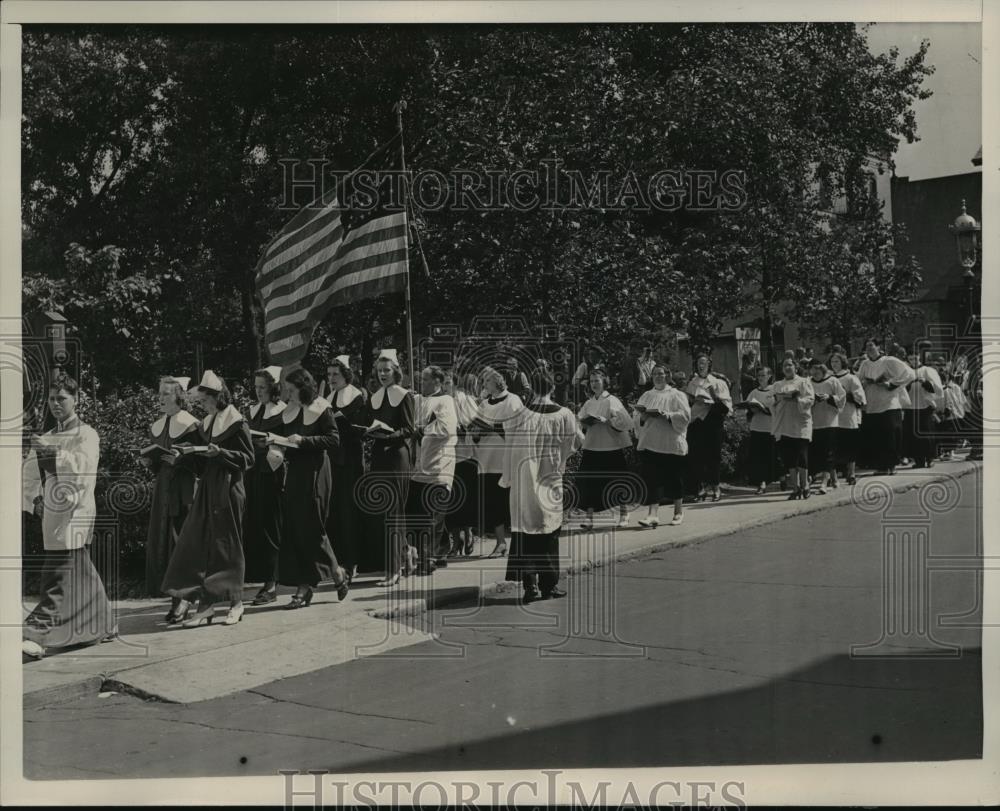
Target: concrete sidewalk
(188,665)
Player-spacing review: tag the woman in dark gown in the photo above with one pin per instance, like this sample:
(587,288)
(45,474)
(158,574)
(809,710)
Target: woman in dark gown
(391,462)
(208,563)
(350,409)
(265,484)
(306,557)
(173,490)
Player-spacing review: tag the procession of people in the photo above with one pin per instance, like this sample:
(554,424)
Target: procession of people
(306,490)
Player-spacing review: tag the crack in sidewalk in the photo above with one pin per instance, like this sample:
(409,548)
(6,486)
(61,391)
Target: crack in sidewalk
(335,709)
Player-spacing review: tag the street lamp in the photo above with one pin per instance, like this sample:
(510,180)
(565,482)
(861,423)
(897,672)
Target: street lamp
(966,232)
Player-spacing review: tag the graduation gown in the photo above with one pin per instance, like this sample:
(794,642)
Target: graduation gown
(306,557)
(173,493)
(265,485)
(344,525)
(208,561)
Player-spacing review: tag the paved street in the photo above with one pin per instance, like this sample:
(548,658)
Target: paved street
(734,650)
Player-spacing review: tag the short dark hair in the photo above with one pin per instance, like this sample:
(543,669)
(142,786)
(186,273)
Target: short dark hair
(305,383)
(543,382)
(698,357)
(67,384)
(841,357)
(273,385)
(345,371)
(436,372)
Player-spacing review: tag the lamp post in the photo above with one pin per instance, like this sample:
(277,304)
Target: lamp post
(966,230)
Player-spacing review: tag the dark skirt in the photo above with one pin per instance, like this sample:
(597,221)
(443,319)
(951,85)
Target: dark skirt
(705,449)
(167,513)
(74,608)
(882,437)
(821,449)
(306,557)
(663,474)
(495,500)
(383,500)
(208,562)
(761,458)
(599,479)
(794,452)
(534,555)
(263,526)
(845,445)
(464,507)
(345,525)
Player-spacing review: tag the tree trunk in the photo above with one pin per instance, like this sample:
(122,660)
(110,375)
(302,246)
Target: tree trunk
(767,321)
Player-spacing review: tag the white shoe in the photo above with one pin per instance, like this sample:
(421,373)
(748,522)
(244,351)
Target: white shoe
(821,490)
(677,520)
(32,649)
(623,522)
(649,522)
(235,615)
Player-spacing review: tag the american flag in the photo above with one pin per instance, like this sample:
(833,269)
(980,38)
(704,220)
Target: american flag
(333,252)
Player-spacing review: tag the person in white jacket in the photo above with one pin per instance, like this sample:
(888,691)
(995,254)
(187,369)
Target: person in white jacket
(885,379)
(926,396)
(436,432)
(791,425)
(830,399)
(662,418)
(849,418)
(74,608)
(606,425)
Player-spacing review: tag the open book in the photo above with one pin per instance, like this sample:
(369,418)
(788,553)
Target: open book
(192,448)
(156,451)
(377,428)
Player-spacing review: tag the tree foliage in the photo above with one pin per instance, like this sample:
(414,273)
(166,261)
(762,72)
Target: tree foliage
(153,177)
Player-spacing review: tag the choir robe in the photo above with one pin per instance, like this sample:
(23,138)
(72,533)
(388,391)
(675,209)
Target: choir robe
(538,445)
(849,419)
(306,556)
(882,426)
(761,464)
(74,608)
(265,487)
(706,427)
(826,417)
(388,483)
(345,524)
(600,478)
(495,414)
(173,494)
(208,563)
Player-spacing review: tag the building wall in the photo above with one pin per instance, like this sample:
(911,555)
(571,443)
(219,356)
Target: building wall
(927,207)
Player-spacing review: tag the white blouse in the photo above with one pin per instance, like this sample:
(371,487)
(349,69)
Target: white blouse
(875,373)
(759,420)
(824,414)
(611,434)
(850,414)
(793,416)
(701,389)
(664,434)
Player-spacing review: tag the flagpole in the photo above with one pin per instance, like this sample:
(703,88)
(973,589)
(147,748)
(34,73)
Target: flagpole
(400,106)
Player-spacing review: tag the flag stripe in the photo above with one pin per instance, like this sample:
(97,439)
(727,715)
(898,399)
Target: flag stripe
(280,318)
(298,286)
(339,291)
(279,263)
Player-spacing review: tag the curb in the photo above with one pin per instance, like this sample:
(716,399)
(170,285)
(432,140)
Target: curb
(47,696)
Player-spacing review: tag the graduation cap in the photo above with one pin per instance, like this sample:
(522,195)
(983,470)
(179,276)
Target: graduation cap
(183,382)
(210,381)
(344,360)
(275,372)
(389,354)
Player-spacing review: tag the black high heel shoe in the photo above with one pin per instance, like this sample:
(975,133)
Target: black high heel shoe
(300,600)
(344,585)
